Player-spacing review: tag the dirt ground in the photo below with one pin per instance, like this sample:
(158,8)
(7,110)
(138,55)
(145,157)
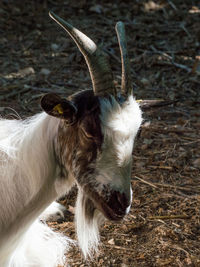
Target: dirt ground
(36,56)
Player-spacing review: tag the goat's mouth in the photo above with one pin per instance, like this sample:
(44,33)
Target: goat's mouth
(109,212)
(114,209)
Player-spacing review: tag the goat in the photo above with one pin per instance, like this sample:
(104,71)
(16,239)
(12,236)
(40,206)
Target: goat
(85,140)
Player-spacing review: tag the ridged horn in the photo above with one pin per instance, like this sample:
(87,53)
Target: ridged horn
(126,83)
(96,59)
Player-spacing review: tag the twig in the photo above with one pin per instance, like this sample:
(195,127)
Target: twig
(20,74)
(185,30)
(112,55)
(14,93)
(180,66)
(145,182)
(172,5)
(180,195)
(169,217)
(174,186)
(191,142)
(160,52)
(46,90)
(161,167)
(175,246)
(157,185)
(121,248)
(147,104)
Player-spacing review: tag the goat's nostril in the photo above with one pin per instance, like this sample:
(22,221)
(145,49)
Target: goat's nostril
(122,199)
(118,203)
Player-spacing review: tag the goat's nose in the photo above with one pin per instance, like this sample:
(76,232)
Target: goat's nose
(122,199)
(119,202)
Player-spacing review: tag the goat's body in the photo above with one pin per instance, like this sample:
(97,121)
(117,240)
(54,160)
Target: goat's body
(88,140)
(28,186)
(38,247)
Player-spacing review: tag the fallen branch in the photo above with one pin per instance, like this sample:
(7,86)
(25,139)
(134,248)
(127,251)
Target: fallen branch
(147,104)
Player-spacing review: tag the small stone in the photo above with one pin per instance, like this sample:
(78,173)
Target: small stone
(111,241)
(196,163)
(54,47)
(144,81)
(148,141)
(45,72)
(97,9)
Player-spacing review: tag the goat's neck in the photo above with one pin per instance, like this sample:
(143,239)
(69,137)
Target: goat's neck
(64,150)
(75,154)
(29,178)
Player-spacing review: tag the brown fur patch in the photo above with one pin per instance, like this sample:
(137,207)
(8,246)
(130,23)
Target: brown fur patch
(78,144)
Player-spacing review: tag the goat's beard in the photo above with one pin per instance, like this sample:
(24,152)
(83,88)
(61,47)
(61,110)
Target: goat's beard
(88,221)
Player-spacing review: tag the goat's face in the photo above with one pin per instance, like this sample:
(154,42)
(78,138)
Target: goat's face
(96,138)
(98,130)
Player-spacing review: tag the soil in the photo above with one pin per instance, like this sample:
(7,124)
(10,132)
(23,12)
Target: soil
(36,56)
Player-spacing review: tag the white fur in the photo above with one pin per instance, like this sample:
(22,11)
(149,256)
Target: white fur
(27,180)
(129,207)
(40,247)
(53,212)
(87,231)
(29,184)
(121,124)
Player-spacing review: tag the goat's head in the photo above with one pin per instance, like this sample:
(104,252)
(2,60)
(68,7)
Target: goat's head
(97,130)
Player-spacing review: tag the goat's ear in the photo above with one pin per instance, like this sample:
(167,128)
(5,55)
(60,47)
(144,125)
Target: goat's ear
(58,107)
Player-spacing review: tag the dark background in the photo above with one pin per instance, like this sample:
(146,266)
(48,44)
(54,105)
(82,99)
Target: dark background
(37,56)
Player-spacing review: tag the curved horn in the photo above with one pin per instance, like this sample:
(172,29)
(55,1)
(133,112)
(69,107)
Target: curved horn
(126,83)
(97,60)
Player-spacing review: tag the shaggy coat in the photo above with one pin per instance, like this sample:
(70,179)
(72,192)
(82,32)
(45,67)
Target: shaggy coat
(85,140)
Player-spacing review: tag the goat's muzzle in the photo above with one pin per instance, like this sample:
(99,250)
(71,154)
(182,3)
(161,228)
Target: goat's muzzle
(114,207)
